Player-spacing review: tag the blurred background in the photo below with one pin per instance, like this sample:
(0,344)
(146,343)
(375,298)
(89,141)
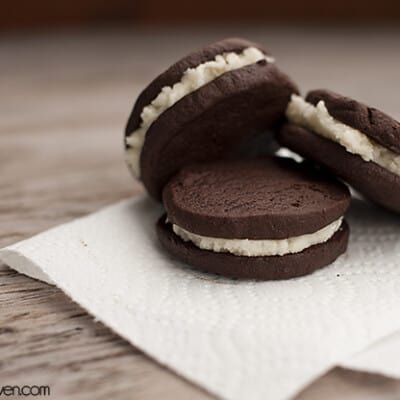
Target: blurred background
(25,14)
(350,45)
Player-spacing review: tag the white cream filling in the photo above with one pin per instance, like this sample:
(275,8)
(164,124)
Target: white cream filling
(256,248)
(192,79)
(318,119)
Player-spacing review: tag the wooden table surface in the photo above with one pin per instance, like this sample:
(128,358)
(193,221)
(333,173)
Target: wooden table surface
(64,102)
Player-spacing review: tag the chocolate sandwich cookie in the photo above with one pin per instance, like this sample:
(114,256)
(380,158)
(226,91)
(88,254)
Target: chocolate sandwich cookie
(201,107)
(358,143)
(266,218)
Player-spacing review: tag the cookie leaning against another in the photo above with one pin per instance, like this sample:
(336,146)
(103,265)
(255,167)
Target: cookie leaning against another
(202,107)
(358,143)
(263,219)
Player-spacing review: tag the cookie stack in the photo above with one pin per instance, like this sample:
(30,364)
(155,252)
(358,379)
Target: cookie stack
(265,217)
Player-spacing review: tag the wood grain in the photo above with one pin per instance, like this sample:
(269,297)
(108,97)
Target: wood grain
(64,103)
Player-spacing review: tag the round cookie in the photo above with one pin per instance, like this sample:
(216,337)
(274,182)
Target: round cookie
(266,218)
(202,107)
(358,143)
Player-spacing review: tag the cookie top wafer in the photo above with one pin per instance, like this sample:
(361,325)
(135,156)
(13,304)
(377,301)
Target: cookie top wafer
(268,198)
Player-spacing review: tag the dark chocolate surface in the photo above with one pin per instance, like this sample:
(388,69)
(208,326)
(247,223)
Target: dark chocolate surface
(370,179)
(374,123)
(174,73)
(209,123)
(266,198)
(261,268)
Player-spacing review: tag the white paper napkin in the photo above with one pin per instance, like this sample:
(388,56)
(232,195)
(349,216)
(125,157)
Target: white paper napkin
(253,340)
(382,358)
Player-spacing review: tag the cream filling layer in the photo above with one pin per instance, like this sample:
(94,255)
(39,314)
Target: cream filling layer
(258,248)
(318,119)
(192,79)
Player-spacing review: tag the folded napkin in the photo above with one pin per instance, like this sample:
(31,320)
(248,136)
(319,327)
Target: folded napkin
(238,339)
